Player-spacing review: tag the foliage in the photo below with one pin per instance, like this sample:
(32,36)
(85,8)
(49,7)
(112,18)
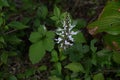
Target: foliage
(40,38)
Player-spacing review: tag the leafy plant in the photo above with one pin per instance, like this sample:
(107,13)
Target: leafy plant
(42,41)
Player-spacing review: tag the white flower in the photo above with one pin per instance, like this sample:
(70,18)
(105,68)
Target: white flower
(66,33)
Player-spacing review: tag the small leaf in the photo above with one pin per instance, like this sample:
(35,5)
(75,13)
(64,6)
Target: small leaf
(57,11)
(42,68)
(17,25)
(116,57)
(58,67)
(98,76)
(4,58)
(2,39)
(35,37)
(54,56)
(75,67)
(93,48)
(36,52)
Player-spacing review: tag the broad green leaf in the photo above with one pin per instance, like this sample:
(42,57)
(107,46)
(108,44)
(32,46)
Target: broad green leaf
(111,8)
(12,77)
(54,56)
(56,11)
(98,76)
(36,52)
(17,25)
(50,34)
(48,44)
(109,20)
(4,58)
(42,12)
(116,57)
(79,38)
(110,24)
(75,67)
(35,37)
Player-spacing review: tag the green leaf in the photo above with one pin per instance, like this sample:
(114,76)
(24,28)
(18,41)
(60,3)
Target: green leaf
(4,3)
(109,20)
(50,34)
(54,78)
(42,68)
(93,48)
(36,52)
(4,58)
(2,39)
(56,11)
(75,67)
(113,41)
(17,25)
(12,77)
(54,56)
(42,30)
(35,37)
(58,67)
(42,12)
(79,38)
(98,76)
(48,44)
(116,57)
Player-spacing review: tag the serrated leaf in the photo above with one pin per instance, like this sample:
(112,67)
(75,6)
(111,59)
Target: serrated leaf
(36,52)
(98,76)
(116,57)
(17,25)
(75,67)
(35,37)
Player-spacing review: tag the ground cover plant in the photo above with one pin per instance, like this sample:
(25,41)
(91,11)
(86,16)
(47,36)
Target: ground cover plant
(57,40)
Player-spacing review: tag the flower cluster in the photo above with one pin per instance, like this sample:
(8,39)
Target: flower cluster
(66,33)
